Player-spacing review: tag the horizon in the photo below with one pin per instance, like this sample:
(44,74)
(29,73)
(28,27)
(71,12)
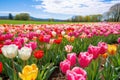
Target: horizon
(57,9)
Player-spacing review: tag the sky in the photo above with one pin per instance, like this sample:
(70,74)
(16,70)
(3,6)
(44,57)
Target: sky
(58,9)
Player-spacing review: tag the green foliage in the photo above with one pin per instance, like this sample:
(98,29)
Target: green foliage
(10,16)
(22,16)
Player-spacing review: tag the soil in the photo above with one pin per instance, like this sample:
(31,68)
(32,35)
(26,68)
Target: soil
(4,77)
(57,75)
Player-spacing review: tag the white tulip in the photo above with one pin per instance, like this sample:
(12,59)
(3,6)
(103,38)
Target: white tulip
(25,53)
(63,33)
(10,51)
(54,33)
(48,46)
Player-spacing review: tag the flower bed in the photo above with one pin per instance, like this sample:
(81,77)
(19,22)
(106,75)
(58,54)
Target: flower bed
(34,52)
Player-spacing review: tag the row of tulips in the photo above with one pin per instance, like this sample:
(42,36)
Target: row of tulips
(43,47)
(84,59)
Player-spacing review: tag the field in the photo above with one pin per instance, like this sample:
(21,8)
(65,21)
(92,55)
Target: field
(59,51)
(29,22)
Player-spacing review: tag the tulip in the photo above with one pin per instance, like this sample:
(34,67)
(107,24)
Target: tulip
(48,46)
(76,73)
(85,59)
(8,42)
(71,75)
(112,49)
(51,41)
(68,48)
(105,55)
(38,54)
(1,67)
(1,45)
(53,33)
(72,58)
(33,45)
(10,51)
(94,50)
(57,41)
(63,33)
(81,71)
(65,65)
(25,53)
(46,38)
(29,72)
(103,47)
(118,40)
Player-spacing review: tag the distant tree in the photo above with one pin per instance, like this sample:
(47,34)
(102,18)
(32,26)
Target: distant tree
(22,16)
(10,16)
(114,13)
(51,19)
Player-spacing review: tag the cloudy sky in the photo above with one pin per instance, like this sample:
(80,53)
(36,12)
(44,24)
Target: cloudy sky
(59,9)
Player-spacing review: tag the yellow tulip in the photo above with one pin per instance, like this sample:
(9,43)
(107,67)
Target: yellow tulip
(112,49)
(29,72)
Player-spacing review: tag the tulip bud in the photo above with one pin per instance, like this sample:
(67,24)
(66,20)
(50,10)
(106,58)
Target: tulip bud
(68,48)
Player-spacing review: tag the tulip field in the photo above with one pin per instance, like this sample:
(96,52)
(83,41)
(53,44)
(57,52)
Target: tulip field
(77,51)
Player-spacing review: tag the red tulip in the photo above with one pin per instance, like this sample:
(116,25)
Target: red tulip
(1,45)
(38,54)
(1,66)
(57,41)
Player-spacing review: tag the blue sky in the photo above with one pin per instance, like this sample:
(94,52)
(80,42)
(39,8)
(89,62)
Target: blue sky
(59,9)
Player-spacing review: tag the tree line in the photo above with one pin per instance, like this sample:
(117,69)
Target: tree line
(21,16)
(112,15)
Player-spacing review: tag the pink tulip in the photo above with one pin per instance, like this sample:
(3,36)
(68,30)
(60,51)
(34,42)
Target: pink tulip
(94,50)
(8,42)
(33,45)
(103,47)
(81,71)
(118,40)
(65,65)
(19,39)
(72,58)
(68,48)
(46,38)
(85,59)
(76,73)
(17,44)
(71,75)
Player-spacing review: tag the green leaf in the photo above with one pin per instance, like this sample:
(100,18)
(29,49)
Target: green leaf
(18,67)
(10,71)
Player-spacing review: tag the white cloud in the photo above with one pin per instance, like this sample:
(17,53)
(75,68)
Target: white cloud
(13,12)
(75,7)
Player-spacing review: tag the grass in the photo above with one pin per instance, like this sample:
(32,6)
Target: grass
(29,22)
(41,22)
